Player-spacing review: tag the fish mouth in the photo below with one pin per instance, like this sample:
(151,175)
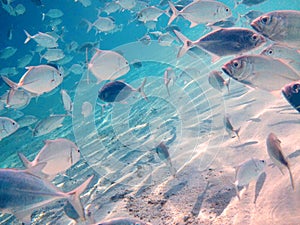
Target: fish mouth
(226,70)
(254,24)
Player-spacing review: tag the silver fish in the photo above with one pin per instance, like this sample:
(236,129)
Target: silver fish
(248,2)
(7,127)
(42,39)
(275,152)
(7,52)
(102,24)
(229,128)
(223,42)
(216,80)
(49,124)
(53,54)
(59,155)
(27,120)
(291,92)
(199,12)
(20,99)
(280,26)
(248,171)
(68,105)
(163,154)
(150,13)
(22,193)
(259,71)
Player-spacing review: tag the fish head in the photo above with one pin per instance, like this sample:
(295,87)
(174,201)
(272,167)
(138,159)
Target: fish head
(10,125)
(261,164)
(269,51)
(74,155)
(257,39)
(223,12)
(236,68)
(266,24)
(291,93)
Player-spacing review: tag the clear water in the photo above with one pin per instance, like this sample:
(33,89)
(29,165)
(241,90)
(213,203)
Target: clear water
(117,143)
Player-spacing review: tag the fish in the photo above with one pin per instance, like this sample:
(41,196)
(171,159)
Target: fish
(23,193)
(68,105)
(282,26)
(248,2)
(259,71)
(166,39)
(42,39)
(122,221)
(229,128)
(111,7)
(59,155)
(85,3)
(291,93)
(229,22)
(20,9)
(276,155)
(24,61)
(201,12)
(251,15)
(76,69)
(118,91)
(53,13)
(37,80)
(146,39)
(53,54)
(248,171)
(102,24)
(108,65)
(9,71)
(223,42)
(7,127)
(169,75)
(27,121)
(216,80)
(48,124)
(127,4)
(86,109)
(150,13)
(163,153)
(7,52)
(288,54)
(19,100)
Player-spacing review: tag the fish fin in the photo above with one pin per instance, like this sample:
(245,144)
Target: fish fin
(13,89)
(28,37)
(215,58)
(187,44)
(24,216)
(193,24)
(24,160)
(74,197)
(291,177)
(36,170)
(175,13)
(236,131)
(90,25)
(141,89)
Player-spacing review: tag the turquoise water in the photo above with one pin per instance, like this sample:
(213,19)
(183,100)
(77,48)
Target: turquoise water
(117,141)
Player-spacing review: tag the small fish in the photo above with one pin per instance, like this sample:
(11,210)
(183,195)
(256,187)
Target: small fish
(48,124)
(53,54)
(7,127)
(127,4)
(248,171)
(68,105)
(37,80)
(169,75)
(122,221)
(102,24)
(163,154)
(7,52)
(27,121)
(216,80)
(86,109)
(223,42)
(24,61)
(59,155)
(76,69)
(28,193)
(111,7)
(275,152)
(201,12)
(10,33)
(291,92)
(229,128)
(166,39)
(150,13)
(53,13)
(118,91)
(20,99)
(288,54)
(108,65)
(20,9)
(42,39)
(248,2)
(259,71)
(281,26)
(146,39)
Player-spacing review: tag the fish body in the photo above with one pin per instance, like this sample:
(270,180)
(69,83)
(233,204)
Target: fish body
(229,128)
(47,125)
(53,14)
(102,24)
(127,4)
(122,221)
(24,61)
(248,171)
(111,7)
(276,155)
(150,13)
(249,2)
(223,42)
(201,12)
(291,93)
(22,193)
(7,52)
(42,39)
(7,127)
(68,105)
(259,71)
(281,26)
(163,153)
(166,39)
(216,80)
(53,54)
(27,120)
(108,65)
(118,91)
(20,99)
(59,155)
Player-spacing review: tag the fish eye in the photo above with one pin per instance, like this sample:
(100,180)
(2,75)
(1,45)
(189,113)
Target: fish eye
(13,123)
(265,19)
(227,9)
(254,37)
(126,63)
(295,88)
(270,52)
(263,161)
(236,64)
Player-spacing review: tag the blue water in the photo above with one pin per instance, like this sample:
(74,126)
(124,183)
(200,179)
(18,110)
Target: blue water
(114,142)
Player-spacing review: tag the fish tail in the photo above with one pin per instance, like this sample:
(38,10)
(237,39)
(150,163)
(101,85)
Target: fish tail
(175,13)
(24,160)
(187,44)
(141,89)
(13,88)
(28,37)
(291,178)
(236,131)
(90,25)
(227,85)
(74,197)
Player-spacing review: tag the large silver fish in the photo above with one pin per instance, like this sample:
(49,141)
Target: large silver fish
(42,39)
(280,26)
(199,12)
(22,193)
(276,155)
(223,42)
(291,92)
(259,71)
